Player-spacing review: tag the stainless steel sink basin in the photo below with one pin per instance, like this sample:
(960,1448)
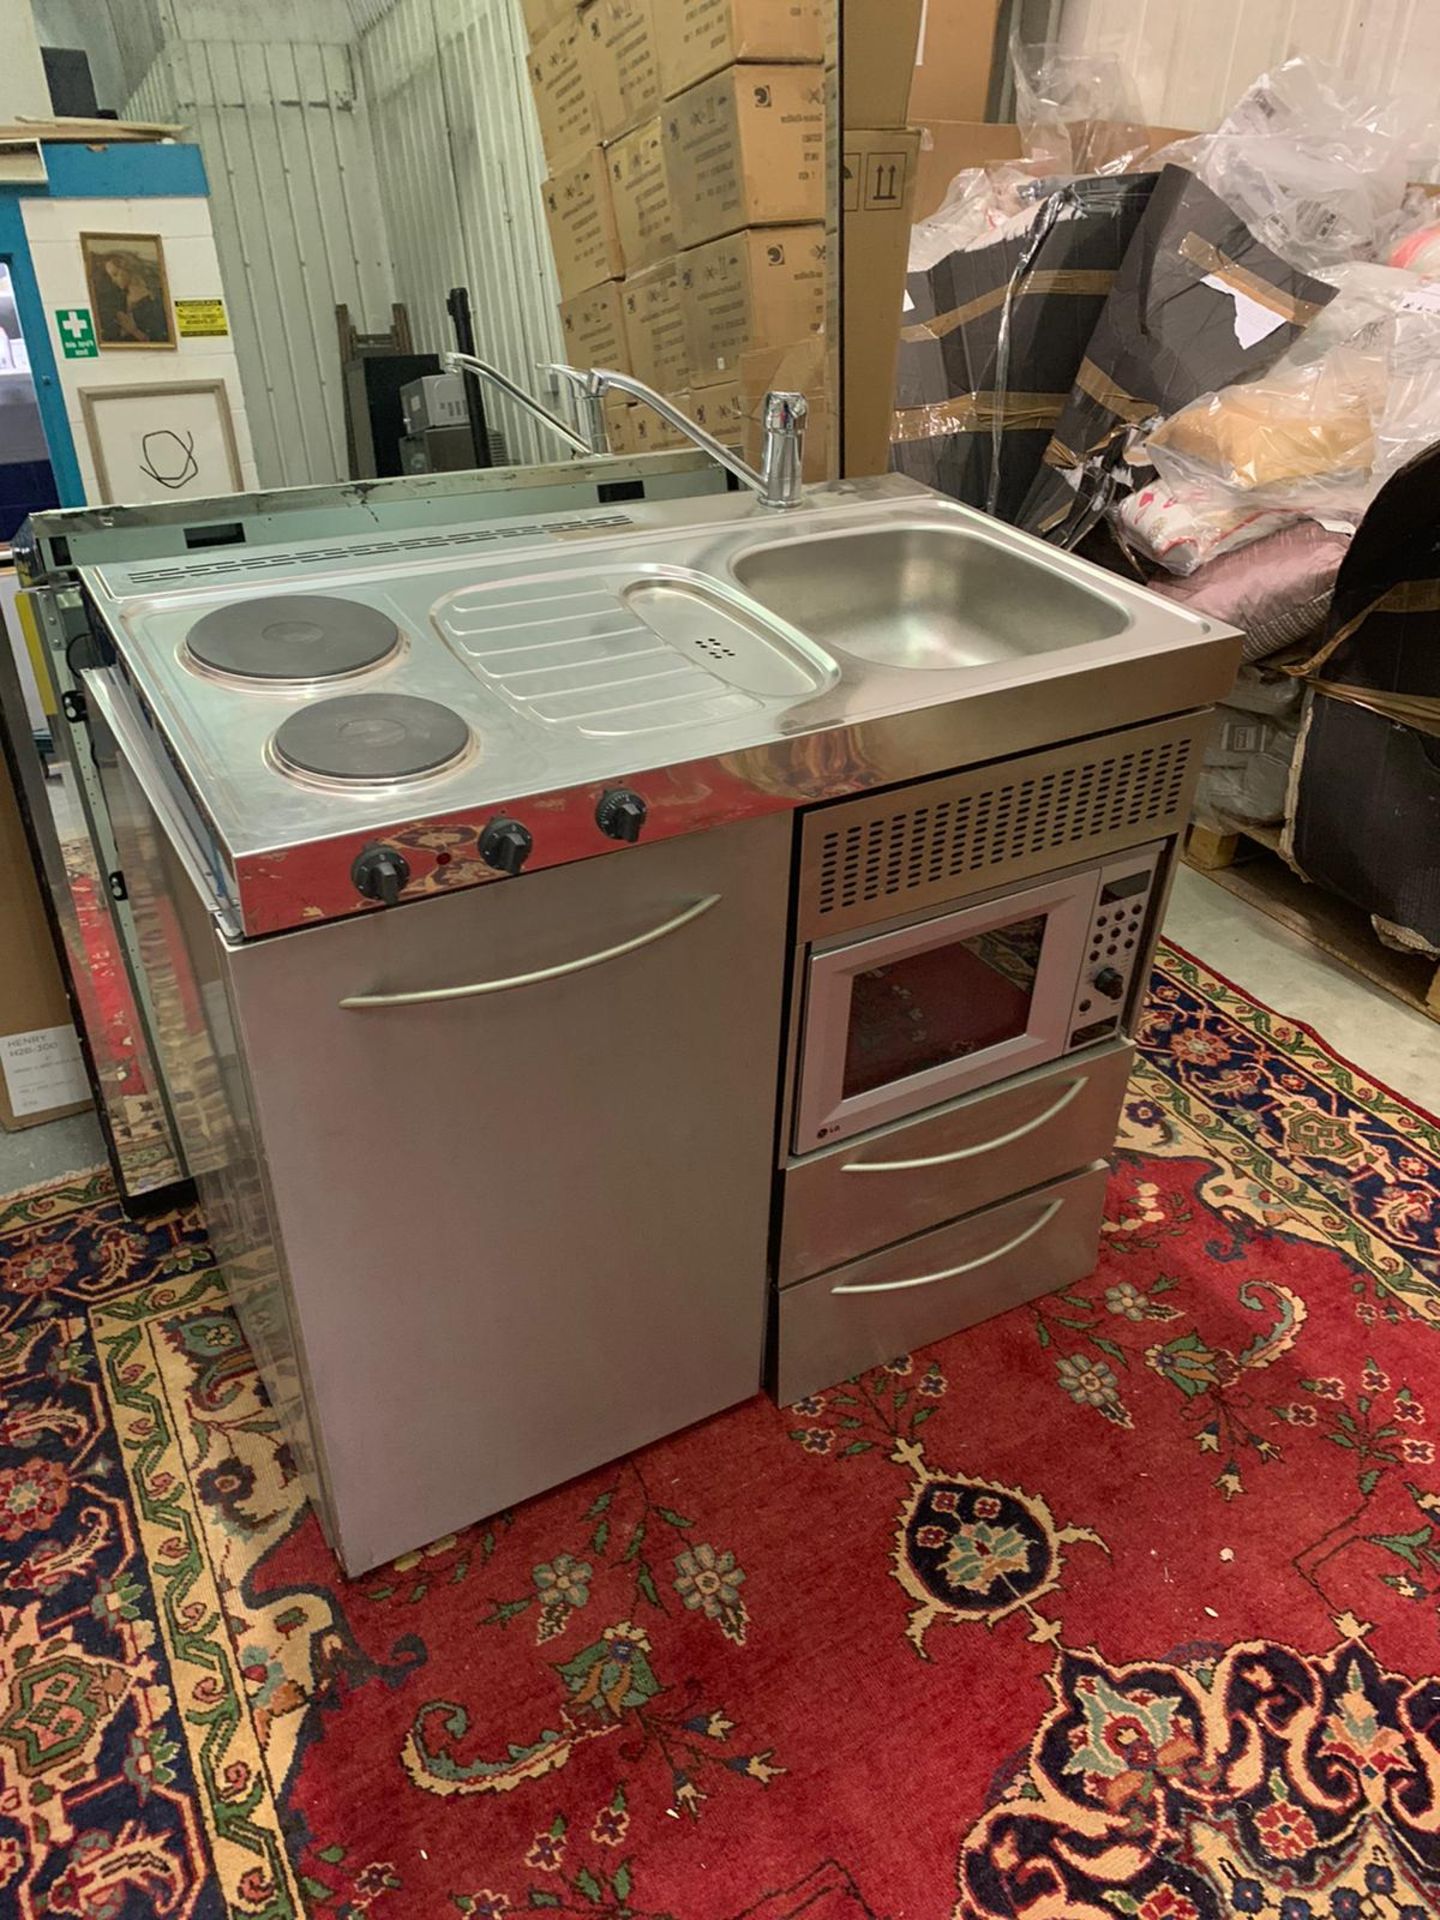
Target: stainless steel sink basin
(925,596)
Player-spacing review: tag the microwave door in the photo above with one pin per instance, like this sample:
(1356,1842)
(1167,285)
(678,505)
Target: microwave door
(899,1022)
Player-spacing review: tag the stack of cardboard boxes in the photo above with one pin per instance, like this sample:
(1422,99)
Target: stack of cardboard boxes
(686,200)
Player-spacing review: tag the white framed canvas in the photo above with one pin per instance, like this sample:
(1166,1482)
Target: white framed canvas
(174,440)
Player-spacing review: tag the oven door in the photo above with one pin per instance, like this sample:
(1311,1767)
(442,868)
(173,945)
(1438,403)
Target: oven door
(899,1021)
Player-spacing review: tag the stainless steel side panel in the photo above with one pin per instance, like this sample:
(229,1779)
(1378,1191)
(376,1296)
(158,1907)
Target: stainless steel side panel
(843,1203)
(929,1288)
(525,1231)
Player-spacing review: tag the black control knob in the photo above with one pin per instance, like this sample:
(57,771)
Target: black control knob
(1111,983)
(506,845)
(380,873)
(621,814)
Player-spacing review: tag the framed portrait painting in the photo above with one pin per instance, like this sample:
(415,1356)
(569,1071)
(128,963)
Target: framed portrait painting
(129,293)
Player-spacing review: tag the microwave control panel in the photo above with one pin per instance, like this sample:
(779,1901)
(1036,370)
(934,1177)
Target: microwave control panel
(1118,943)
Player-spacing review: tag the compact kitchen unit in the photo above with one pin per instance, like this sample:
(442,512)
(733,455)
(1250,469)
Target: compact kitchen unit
(601,961)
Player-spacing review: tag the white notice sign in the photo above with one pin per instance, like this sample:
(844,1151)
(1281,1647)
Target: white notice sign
(43,1069)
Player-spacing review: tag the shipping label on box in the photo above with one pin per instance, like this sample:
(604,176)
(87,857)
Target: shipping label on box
(594,327)
(581,219)
(43,1070)
(563,104)
(618,37)
(747,149)
(640,194)
(699,37)
(655,328)
(750,290)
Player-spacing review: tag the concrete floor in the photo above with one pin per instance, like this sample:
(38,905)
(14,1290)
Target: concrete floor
(41,1154)
(1384,1038)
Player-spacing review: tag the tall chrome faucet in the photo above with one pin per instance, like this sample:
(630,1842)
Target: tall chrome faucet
(780,481)
(454,362)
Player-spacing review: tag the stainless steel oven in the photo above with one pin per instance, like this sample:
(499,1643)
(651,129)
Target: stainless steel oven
(915,1012)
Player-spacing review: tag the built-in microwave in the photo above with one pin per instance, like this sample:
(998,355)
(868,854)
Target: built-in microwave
(910,1014)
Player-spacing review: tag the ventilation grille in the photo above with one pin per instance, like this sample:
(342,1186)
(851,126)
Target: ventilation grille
(968,832)
(339,552)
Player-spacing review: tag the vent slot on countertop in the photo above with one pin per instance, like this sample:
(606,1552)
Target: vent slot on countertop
(269,560)
(887,854)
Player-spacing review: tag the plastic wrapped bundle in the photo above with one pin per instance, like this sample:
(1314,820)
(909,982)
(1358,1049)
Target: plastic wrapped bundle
(1248,763)
(993,337)
(1198,304)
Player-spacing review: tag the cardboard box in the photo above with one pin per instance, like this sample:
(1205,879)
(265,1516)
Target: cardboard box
(541,15)
(651,434)
(881,40)
(594,327)
(801,367)
(640,194)
(617,423)
(563,102)
(750,290)
(699,37)
(655,327)
(949,147)
(877,185)
(618,37)
(953,60)
(581,219)
(717,409)
(42,1075)
(747,149)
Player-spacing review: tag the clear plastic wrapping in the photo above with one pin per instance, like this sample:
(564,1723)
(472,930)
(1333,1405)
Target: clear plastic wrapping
(1355,398)
(992,337)
(1320,176)
(1077,110)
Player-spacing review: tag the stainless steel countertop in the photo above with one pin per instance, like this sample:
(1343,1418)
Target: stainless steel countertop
(218,732)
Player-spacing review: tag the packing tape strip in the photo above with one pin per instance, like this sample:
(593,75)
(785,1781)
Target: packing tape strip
(1211,262)
(1406,596)
(1061,280)
(978,413)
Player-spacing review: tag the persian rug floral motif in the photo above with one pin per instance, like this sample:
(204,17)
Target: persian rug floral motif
(1123,1603)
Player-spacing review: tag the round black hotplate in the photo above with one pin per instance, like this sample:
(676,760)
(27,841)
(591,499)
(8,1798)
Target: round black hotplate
(370,736)
(293,636)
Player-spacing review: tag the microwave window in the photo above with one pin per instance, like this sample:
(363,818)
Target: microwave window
(933,1007)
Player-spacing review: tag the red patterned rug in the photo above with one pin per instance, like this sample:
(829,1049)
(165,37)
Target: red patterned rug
(1121,1605)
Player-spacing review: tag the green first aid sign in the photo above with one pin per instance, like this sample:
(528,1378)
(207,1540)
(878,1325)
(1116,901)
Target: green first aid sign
(77,333)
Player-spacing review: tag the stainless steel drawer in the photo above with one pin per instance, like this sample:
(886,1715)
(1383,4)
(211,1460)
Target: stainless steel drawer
(866,1193)
(926,1289)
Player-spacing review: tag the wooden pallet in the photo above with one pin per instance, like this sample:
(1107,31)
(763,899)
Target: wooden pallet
(1246,861)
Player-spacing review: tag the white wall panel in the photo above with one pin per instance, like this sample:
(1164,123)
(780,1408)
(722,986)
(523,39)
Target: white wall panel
(53,229)
(298,223)
(460,167)
(1192,61)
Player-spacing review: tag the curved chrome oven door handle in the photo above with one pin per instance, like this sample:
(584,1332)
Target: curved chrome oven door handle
(970,1266)
(986,1146)
(364,1002)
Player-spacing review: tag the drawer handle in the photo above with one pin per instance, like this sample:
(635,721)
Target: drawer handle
(953,1273)
(361,1002)
(986,1146)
